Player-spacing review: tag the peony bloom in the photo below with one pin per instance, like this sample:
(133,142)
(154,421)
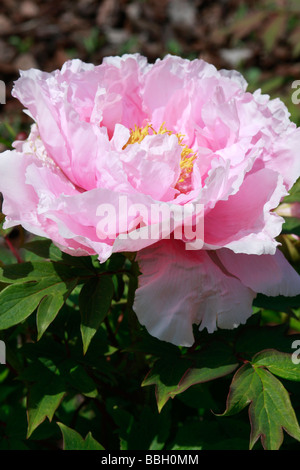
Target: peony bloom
(176,134)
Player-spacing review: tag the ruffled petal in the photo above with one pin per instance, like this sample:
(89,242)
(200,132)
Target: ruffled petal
(244,223)
(266,274)
(178,288)
(152,166)
(20,199)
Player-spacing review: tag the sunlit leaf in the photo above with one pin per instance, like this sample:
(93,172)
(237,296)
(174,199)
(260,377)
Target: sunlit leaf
(73,440)
(43,400)
(50,306)
(172,377)
(270,409)
(18,301)
(278,363)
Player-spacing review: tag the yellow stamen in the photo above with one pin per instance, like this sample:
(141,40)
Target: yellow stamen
(187,155)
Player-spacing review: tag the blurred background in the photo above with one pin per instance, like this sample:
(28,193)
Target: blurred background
(259,38)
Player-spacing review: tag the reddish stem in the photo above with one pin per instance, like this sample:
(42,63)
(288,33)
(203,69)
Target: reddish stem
(13,250)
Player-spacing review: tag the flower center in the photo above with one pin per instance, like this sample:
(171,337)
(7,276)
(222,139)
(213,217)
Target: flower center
(187,155)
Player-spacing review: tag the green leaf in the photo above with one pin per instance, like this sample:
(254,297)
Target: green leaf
(270,408)
(81,381)
(166,375)
(43,400)
(200,375)
(116,262)
(20,273)
(18,301)
(44,248)
(30,282)
(51,380)
(94,303)
(291,225)
(266,337)
(279,303)
(50,306)
(278,363)
(36,270)
(91,444)
(174,377)
(294,193)
(73,440)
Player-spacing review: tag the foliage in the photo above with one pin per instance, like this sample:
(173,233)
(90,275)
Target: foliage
(81,372)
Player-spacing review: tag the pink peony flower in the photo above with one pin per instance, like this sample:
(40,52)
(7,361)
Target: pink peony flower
(177,133)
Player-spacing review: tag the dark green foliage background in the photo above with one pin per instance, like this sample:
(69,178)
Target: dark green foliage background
(86,375)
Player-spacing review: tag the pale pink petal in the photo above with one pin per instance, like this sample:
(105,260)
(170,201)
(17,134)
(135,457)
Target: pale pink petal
(20,199)
(283,158)
(152,166)
(178,288)
(267,274)
(244,222)
(25,209)
(234,76)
